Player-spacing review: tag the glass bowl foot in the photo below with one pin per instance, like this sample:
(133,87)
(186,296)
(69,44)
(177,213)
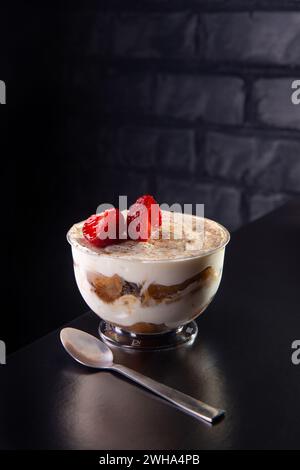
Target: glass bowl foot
(116,336)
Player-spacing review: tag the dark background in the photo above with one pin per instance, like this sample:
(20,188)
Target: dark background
(187,100)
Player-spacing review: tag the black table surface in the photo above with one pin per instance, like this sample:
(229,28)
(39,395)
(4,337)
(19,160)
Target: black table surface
(241,361)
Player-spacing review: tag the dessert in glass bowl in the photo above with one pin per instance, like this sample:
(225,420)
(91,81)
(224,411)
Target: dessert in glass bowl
(148,290)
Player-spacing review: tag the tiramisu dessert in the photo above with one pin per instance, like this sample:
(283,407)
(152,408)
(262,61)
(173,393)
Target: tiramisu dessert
(153,280)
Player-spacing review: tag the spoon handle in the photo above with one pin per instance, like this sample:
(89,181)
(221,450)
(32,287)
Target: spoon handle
(184,402)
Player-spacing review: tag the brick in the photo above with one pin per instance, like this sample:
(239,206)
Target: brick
(82,85)
(133,146)
(170,149)
(128,94)
(176,150)
(89,87)
(112,183)
(213,99)
(155,35)
(87,144)
(270,164)
(87,32)
(106,151)
(261,37)
(261,204)
(137,147)
(229,156)
(272,98)
(222,202)
(278,166)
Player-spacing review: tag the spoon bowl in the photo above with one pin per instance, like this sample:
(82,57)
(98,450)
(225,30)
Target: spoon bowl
(86,349)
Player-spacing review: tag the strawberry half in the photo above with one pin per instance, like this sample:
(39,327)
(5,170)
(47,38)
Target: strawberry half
(103,229)
(142,216)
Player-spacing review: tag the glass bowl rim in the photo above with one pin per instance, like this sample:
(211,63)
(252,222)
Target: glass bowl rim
(125,258)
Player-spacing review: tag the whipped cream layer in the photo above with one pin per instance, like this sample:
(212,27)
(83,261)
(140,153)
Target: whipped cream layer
(180,236)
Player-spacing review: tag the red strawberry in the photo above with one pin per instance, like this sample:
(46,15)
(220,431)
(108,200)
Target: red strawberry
(103,229)
(147,218)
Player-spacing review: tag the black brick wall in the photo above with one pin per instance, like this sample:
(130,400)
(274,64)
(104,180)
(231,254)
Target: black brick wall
(196,100)
(186,99)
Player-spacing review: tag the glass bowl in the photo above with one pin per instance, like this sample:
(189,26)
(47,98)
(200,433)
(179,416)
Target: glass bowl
(148,304)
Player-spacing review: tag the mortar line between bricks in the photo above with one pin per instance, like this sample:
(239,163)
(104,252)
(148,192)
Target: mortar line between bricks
(180,66)
(249,115)
(203,179)
(165,122)
(244,207)
(190,5)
